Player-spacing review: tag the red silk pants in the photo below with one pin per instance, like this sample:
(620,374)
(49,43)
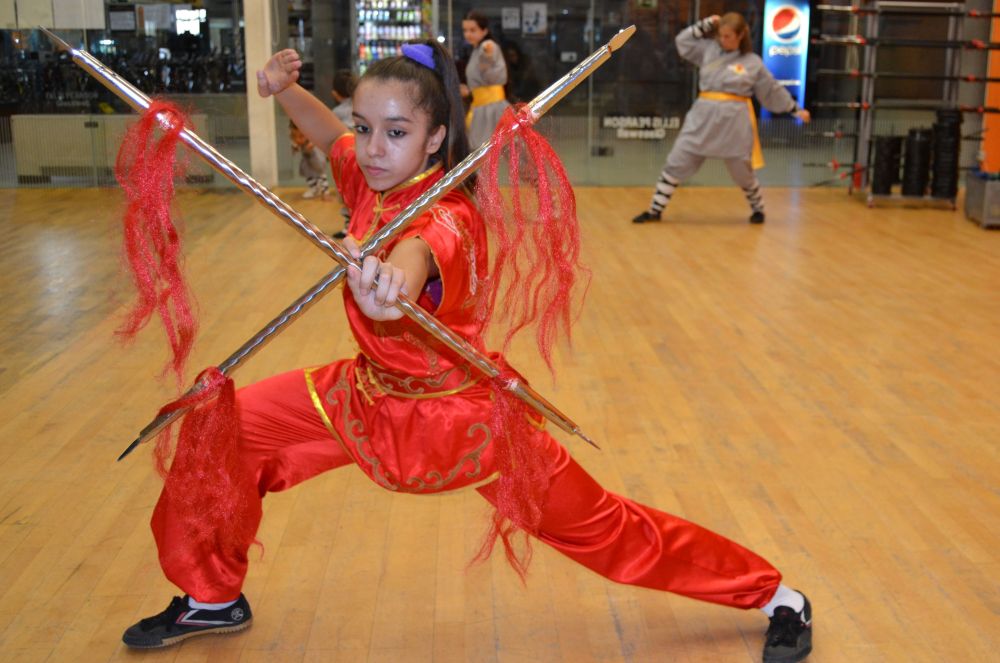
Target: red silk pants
(284,441)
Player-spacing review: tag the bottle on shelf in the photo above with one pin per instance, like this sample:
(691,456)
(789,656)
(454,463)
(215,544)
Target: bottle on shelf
(383,26)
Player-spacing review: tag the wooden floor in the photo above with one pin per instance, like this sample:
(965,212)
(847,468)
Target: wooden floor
(824,389)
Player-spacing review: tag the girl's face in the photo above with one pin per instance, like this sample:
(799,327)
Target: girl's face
(729,39)
(472,32)
(393,138)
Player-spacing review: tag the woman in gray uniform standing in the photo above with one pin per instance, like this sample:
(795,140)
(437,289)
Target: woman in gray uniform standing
(485,75)
(721,123)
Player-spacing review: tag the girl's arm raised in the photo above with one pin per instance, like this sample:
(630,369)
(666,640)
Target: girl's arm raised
(313,118)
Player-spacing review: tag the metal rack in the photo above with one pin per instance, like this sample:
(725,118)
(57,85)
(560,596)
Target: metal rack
(869,39)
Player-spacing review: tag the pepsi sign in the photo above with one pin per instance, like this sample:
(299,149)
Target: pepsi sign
(786,44)
(786,23)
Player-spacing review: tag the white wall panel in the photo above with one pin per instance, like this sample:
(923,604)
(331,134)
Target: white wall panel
(93,14)
(78,14)
(34,13)
(8,17)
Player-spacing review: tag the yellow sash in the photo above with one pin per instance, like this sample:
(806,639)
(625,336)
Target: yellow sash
(757,156)
(481,96)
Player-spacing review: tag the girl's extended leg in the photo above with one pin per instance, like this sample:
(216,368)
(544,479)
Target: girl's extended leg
(637,545)
(283,442)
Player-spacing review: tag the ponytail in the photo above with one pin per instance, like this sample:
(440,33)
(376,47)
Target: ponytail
(437,93)
(737,24)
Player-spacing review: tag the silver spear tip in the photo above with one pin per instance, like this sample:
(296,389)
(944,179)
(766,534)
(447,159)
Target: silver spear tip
(56,39)
(130,448)
(586,439)
(623,36)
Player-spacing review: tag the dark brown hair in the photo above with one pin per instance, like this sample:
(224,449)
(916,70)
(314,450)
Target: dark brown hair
(344,82)
(482,21)
(436,92)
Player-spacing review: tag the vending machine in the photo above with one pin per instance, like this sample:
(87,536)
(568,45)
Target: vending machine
(383,26)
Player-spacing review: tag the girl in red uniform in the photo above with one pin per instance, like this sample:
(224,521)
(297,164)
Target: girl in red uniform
(404,410)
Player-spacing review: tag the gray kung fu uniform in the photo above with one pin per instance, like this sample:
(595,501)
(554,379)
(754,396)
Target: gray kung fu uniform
(720,129)
(484,70)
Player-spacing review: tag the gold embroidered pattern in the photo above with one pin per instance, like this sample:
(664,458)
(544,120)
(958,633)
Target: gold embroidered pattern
(435,480)
(377,211)
(317,403)
(442,216)
(339,396)
(362,384)
(412,386)
(430,356)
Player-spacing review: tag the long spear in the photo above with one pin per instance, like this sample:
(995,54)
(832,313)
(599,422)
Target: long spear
(535,109)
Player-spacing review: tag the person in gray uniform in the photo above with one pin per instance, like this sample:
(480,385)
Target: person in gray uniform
(721,123)
(485,76)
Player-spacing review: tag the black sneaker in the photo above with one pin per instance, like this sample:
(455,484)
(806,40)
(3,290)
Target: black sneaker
(340,234)
(646,217)
(180,622)
(789,637)
(757,217)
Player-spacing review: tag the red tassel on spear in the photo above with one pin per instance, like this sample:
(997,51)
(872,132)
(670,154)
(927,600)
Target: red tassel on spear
(535,271)
(204,479)
(145,168)
(537,235)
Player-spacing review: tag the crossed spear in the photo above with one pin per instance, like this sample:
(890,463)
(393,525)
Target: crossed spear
(528,115)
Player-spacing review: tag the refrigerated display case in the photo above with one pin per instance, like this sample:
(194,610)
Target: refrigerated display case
(383,26)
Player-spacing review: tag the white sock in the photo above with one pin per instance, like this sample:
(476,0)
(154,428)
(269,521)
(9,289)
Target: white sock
(787,597)
(208,606)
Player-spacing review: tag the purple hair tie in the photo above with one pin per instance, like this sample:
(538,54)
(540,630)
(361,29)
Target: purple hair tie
(421,54)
